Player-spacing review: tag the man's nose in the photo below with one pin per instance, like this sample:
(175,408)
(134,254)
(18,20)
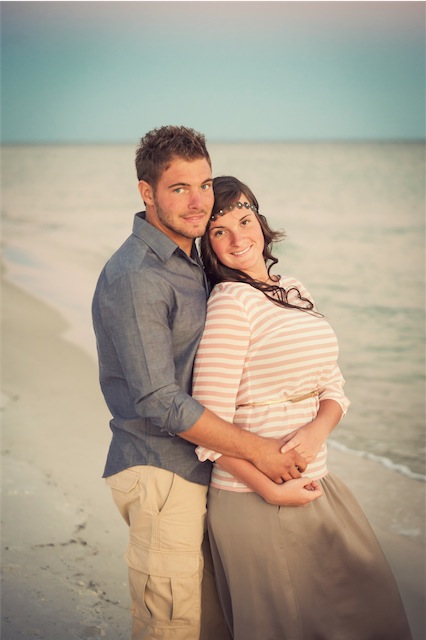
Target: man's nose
(195,200)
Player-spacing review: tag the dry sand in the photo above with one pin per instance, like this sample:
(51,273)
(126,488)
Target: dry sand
(63,575)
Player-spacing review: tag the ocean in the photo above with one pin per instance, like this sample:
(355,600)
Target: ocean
(353,214)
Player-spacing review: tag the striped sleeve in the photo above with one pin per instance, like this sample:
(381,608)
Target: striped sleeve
(333,390)
(220,359)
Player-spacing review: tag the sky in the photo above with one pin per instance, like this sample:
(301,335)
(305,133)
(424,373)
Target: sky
(86,72)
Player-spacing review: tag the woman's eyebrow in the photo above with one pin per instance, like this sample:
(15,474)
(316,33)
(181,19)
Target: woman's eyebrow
(221,226)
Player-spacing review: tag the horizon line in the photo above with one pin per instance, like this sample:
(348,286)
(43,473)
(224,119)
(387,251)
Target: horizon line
(348,140)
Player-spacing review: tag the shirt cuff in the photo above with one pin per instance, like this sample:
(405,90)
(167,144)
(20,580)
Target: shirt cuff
(207,454)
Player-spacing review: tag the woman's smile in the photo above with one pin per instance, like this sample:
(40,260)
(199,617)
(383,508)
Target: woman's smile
(242,252)
(237,239)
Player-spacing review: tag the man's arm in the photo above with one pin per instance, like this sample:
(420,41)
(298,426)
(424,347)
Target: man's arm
(212,432)
(150,368)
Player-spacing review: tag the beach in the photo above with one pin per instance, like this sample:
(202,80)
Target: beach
(63,540)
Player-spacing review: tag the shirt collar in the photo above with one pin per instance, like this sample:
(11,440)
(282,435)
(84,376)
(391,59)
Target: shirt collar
(157,241)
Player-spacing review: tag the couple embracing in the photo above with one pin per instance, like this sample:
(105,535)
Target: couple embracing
(222,380)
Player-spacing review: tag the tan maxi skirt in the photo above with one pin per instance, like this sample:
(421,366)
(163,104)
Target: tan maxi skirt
(302,573)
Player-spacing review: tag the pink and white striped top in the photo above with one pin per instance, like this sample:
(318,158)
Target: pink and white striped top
(255,351)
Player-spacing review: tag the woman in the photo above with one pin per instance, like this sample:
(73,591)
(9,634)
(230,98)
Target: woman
(268,362)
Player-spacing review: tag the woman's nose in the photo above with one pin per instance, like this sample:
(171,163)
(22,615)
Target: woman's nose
(236,237)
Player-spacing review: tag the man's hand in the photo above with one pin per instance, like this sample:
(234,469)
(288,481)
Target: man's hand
(216,434)
(278,466)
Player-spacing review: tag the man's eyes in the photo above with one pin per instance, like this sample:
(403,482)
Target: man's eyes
(204,187)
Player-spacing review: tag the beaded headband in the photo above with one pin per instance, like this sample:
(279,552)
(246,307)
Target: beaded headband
(238,205)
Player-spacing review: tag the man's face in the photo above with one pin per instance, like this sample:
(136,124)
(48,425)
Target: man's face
(181,203)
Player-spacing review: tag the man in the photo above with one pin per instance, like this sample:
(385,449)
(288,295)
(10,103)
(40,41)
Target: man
(148,313)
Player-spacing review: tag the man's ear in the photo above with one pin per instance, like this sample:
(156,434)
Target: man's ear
(146,191)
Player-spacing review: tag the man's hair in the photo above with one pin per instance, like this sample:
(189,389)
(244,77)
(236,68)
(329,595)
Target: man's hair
(160,146)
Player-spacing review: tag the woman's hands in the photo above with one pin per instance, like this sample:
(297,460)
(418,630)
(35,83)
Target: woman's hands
(309,439)
(293,493)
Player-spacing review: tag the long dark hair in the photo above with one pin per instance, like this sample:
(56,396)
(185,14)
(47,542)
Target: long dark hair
(227,192)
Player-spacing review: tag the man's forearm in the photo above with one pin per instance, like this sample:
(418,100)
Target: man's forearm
(212,432)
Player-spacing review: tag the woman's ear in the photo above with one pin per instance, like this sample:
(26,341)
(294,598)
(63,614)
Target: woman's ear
(146,191)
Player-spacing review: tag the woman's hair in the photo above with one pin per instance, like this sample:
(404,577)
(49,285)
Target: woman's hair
(160,146)
(227,192)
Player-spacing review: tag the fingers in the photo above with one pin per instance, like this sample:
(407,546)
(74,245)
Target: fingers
(289,446)
(293,473)
(310,498)
(296,460)
(300,462)
(312,485)
(308,484)
(300,492)
(315,494)
(314,489)
(292,467)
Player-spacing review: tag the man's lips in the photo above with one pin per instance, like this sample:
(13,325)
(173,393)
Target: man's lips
(197,217)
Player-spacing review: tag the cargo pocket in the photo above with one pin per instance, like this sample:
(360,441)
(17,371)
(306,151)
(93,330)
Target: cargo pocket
(164,585)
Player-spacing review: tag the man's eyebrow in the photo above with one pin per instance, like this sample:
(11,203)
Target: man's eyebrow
(178,184)
(186,184)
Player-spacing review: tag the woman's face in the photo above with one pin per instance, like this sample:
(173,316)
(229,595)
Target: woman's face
(237,240)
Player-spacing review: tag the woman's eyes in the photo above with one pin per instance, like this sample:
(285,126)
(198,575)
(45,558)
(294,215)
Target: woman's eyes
(221,232)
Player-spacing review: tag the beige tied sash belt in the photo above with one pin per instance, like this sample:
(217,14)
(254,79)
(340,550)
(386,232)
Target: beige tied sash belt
(311,394)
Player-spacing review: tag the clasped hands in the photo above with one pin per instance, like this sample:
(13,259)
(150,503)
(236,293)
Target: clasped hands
(297,449)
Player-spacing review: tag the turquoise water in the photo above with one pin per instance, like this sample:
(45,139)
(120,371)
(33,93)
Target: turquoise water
(354,218)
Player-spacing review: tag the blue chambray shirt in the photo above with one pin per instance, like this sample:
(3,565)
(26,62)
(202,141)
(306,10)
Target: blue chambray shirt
(148,312)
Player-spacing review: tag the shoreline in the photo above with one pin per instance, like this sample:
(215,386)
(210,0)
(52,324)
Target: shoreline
(63,540)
